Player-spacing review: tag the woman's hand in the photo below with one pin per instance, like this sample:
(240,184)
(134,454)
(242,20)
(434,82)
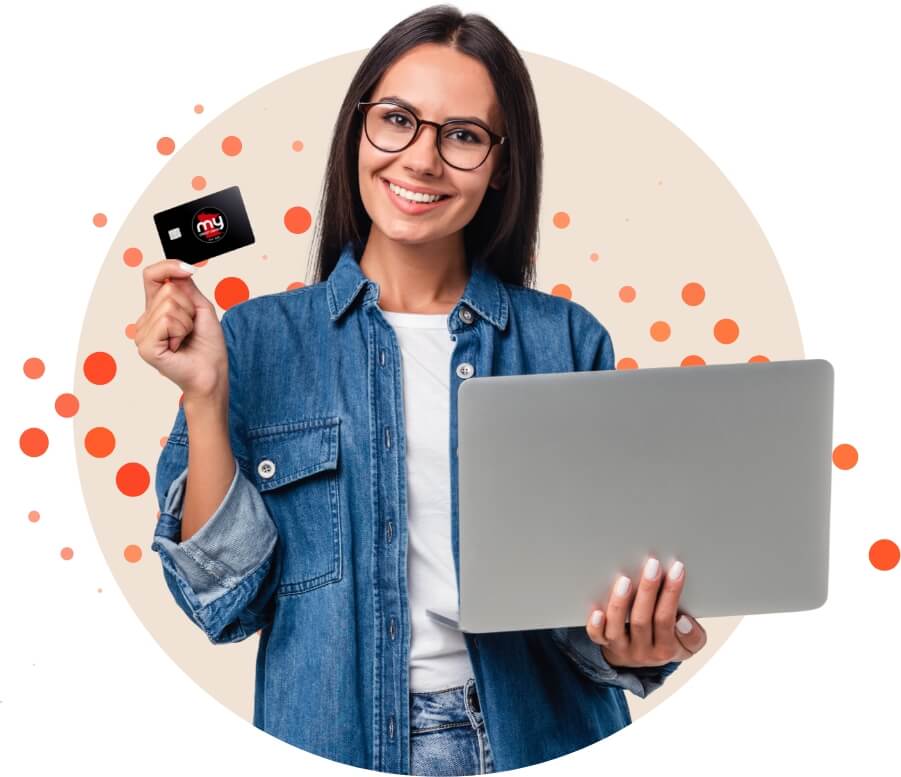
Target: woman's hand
(653,636)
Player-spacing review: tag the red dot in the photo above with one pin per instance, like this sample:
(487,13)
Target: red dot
(758,358)
(231,291)
(693,360)
(99,219)
(884,555)
(561,219)
(627,294)
(34,516)
(627,363)
(231,145)
(132,553)
(99,368)
(693,294)
(295,285)
(33,368)
(562,290)
(844,456)
(297,220)
(34,442)
(132,479)
(726,331)
(66,553)
(66,405)
(165,145)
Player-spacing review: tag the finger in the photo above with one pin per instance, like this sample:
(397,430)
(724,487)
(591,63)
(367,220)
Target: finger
(690,633)
(641,618)
(595,627)
(617,607)
(156,274)
(168,299)
(170,327)
(667,608)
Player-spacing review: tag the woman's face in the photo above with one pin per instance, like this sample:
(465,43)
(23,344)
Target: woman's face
(439,83)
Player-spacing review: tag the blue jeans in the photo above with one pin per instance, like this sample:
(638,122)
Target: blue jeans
(447,733)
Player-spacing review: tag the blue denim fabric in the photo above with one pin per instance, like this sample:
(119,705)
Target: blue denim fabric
(447,733)
(309,544)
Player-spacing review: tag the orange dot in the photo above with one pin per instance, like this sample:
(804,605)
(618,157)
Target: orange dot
(884,555)
(693,294)
(33,368)
(66,405)
(34,516)
(726,331)
(230,291)
(130,331)
(844,456)
(99,442)
(34,442)
(561,219)
(198,182)
(165,145)
(198,108)
(232,145)
(297,220)
(660,331)
(594,256)
(99,219)
(627,294)
(562,290)
(201,263)
(99,368)
(132,256)
(693,360)
(758,358)
(297,145)
(163,440)
(295,285)
(132,553)
(627,363)
(66,553)
(132,479)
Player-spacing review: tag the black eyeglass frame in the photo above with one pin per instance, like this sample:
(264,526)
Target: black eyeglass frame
(496,140)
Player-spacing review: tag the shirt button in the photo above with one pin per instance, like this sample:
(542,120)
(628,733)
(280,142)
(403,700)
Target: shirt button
(391,728)
(465,370)
(392,628)
(266,468)
(466,315)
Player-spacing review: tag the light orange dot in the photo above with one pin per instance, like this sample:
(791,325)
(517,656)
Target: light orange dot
(99,442)
(198,108)
(594,256)
(132,479)
(297,145)
(627,363)
(844,456)
(693,360)
(295,285)
(561,219)
(660,331)
(66,553)
(265,257)
(163,440)
(132,553)
(66,405)
(562,290)
(693,294)
(33,368)
(202,263)
(232,145)
(165,145)
(130,331)
(132,256)
(297,219)
(726,331)
(34,442)
(198,182)
(99,219)
(34,516)
(99,368)
(884,555)
(230,291)
(627,294)
(758,358)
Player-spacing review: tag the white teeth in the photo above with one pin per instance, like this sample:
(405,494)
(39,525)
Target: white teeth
(414,196)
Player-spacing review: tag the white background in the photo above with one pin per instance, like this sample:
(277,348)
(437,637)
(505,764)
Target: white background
(797,103)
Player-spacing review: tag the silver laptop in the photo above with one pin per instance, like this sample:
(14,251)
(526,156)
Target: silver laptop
(567,480)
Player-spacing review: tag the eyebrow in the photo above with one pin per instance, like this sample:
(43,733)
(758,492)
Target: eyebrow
(403,103)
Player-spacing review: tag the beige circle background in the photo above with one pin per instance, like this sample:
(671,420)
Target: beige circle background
(639,193)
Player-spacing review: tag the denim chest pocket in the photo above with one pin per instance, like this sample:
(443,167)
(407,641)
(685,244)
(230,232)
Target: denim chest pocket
(294,465)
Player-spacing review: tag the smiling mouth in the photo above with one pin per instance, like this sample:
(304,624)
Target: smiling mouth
(394,189)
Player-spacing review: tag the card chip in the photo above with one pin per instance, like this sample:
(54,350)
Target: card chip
(174,234)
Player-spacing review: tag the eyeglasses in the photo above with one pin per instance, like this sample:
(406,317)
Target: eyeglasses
(464,145)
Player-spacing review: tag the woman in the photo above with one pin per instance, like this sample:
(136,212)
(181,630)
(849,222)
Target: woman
(324,419)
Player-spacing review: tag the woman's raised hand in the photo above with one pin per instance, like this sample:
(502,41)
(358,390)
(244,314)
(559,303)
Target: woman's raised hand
(653,636)
(179,332)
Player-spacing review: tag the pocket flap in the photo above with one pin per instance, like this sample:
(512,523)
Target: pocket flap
(285,452)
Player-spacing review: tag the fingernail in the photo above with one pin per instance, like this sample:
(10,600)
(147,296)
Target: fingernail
(650,569)
(684,625)
(596,617)
(675,571)
(622,585)
(185,266)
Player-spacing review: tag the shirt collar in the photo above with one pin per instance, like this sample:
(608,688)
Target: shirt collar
(484,292)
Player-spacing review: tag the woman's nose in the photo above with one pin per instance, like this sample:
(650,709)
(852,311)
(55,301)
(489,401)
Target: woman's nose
(422,154)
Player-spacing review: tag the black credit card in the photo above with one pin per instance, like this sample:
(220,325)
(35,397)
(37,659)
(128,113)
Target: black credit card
(205,227)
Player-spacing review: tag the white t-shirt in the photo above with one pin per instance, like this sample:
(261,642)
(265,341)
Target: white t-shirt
(438,656)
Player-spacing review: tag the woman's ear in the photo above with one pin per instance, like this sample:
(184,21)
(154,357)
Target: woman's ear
(499,179)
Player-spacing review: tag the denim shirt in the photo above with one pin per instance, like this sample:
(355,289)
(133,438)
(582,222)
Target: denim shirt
(309,544)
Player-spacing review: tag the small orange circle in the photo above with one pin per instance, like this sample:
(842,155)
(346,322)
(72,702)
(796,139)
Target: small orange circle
(165,145)
(693,360)
(34,516)
(34,442)
(627,363)
(758,358)
(202,263)
(297,220)
(884,555)
(562,290)
(66,553)
(844,456)
(726,331)
(99,219)
(231,145)
(561,219)
(132,478)
(198,108)
(230,291)
(627,293)
(198,182)
(132,256)
(660,331)
(33,368)
(99,368)
(99,442)
(295,285)
(132,553)
(594,256)
(130,331)
(297,145)
(693,294)
(66,405)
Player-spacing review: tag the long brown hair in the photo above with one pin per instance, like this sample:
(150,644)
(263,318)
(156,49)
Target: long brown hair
(504,231)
